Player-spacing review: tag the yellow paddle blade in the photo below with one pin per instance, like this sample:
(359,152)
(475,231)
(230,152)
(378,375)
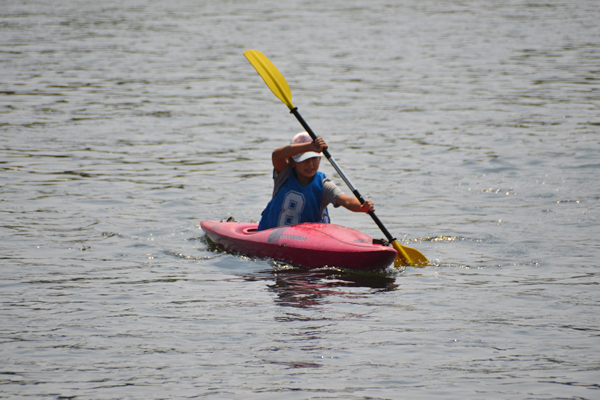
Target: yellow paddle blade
(271,75)
(408,256)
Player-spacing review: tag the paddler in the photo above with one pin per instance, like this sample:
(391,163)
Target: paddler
(301,192)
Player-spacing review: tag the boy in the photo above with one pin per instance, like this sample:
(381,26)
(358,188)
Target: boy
(302,192)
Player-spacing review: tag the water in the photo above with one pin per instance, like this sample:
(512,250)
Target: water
(473,126)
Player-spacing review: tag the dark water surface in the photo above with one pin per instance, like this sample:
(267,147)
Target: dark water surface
(473,125)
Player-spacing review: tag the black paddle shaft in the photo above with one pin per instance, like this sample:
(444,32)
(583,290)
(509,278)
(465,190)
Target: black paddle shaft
(387,234)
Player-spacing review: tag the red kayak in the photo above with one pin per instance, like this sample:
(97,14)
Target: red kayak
(311,245)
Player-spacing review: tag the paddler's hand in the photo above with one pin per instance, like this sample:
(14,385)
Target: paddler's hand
(319,145)
(367,206)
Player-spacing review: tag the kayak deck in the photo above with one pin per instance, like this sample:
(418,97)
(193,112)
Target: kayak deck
(311,245)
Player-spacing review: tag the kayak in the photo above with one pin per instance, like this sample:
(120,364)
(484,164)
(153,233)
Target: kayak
(310,245)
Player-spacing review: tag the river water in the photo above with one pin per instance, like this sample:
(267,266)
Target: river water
(473,125)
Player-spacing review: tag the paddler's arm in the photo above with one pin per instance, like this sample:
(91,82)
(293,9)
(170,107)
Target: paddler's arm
(353,204)
(281,154)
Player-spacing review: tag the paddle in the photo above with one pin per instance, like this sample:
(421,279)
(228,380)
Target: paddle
(279,86)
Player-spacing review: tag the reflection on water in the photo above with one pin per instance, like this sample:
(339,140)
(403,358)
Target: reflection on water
(306,289)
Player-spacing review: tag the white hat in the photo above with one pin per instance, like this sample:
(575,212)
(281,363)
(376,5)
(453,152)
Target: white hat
(304,137)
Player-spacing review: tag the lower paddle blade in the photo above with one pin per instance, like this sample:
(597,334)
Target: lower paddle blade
(407,256)
(271,75)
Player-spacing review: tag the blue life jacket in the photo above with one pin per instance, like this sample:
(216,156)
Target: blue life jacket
(294,203)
